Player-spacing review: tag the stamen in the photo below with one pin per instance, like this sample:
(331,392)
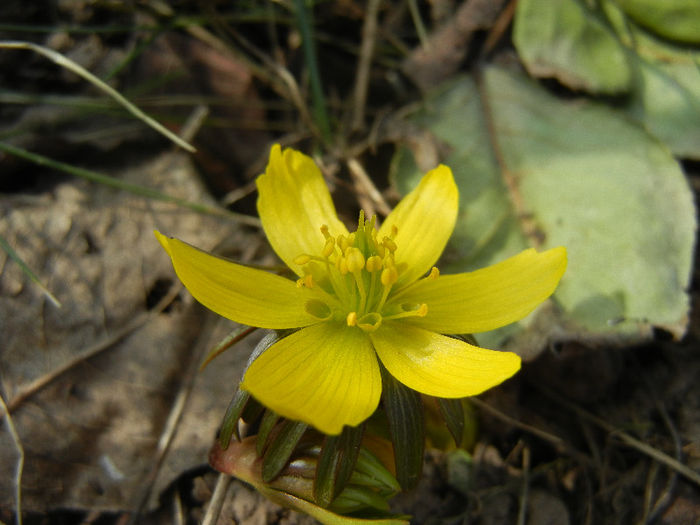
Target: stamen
(434,273)
(389,244)
(419,311)
(389,276)
(302,259)
(374,263)
(309,281)
(355,260)
(352,319)
(324,231)
(329,247)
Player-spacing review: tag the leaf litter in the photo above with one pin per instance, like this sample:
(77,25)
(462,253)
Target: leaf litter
(123,422)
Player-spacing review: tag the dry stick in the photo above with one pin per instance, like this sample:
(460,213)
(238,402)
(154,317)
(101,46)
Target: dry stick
(546,436)
(20,460)
(166,436)
(367,187)
(665,498)
(95,349)
(628,440)
(522,511)
(217,500)
(369,38)
(527,224)
(68,64)
(500,26)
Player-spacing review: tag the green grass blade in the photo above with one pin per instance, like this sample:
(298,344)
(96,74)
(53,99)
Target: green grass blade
(12,254)
(135,189)
(62,61)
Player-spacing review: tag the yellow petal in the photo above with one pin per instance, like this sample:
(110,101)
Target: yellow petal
(293,204)
(326,375)
(242,294)
(425,219)
(489,298)
(438,365)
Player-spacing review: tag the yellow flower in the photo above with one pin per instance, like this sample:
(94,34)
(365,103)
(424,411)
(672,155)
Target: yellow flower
(364,297)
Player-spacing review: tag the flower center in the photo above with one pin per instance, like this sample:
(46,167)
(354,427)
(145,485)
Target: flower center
(353,278)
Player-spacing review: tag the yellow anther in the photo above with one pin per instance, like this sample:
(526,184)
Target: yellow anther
(422,310)
(389,244)
(302,259)
(434,273)
(300,283)
(329,247)
(374,263)
(352,319)
(309,281)
(343,243)
(351,239)
(389,276)
(342,264)
(355,260)
(324,231)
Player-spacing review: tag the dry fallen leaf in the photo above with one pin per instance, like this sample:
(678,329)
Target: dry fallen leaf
(90,434)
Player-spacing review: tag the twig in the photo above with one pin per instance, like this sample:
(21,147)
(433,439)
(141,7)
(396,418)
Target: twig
(19,468)
(364,182)
(522,511)
(217,500)
(665,498)
(68,64)
(418,24)
(525,220)
(369,38)
(628,440)
(546,436)
(169,429)
(92,351)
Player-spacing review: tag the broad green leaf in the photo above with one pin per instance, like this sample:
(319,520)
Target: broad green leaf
(534,170)
(674,19)
(568,41)
(666,88)
(599,48)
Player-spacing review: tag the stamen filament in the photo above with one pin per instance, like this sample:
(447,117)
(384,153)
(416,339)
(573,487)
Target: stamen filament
(421,311)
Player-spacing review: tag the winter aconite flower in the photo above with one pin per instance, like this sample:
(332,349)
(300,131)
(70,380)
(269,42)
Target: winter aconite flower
(364,297)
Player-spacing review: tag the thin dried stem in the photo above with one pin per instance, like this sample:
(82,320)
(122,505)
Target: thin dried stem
(19,467)
(217,500)
(369,38)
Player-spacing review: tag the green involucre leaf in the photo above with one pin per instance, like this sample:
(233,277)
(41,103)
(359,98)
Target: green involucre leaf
(404,412)
(674,19)
(229,426)
(576,174)
(336,463)
(281,447)
(568,41)
(461,420)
